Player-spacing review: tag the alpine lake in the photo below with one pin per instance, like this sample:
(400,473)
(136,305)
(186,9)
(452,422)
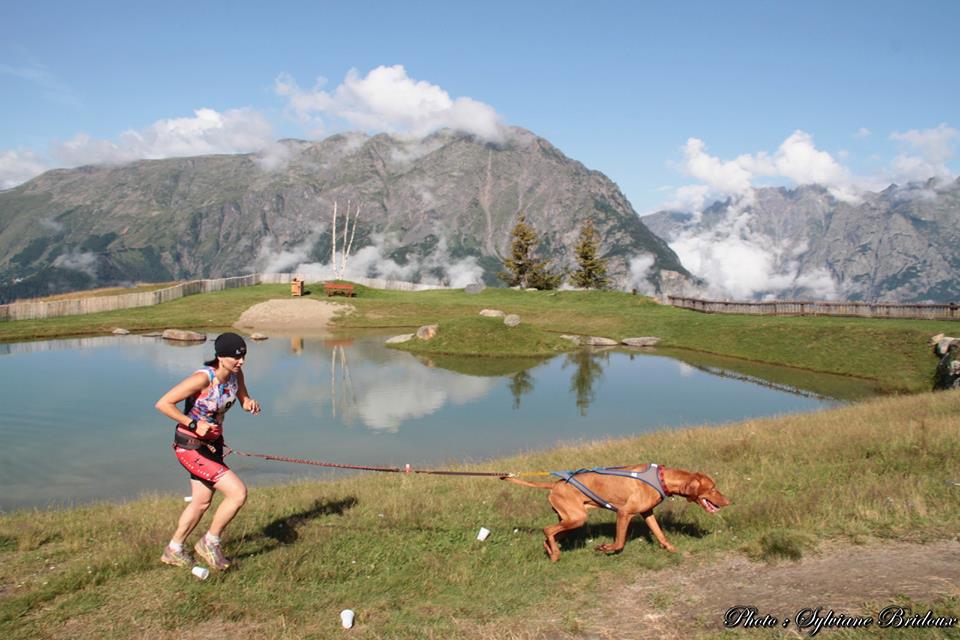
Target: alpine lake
(80,425)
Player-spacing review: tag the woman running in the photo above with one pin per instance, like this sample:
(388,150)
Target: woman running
(198,443)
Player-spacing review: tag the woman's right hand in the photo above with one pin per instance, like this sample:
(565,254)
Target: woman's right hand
(203,427)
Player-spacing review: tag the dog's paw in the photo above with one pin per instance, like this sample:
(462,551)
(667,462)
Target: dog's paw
(669,547)
(608,549)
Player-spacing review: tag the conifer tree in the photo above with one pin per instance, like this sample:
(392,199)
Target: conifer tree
(592,271)
(524,268)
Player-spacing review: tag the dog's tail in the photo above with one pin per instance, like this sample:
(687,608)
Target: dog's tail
(527,483)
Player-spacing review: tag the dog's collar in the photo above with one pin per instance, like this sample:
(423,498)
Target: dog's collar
(663,485)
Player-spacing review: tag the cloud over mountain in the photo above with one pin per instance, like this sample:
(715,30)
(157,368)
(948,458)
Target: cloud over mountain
(388,100)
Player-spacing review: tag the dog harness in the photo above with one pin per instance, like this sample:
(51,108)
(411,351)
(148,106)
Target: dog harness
(652,476)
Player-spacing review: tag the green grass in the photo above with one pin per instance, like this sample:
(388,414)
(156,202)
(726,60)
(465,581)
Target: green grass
(892,355)
(401,550)
(490,337)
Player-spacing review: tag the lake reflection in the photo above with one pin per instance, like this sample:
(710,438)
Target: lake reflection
(81,426)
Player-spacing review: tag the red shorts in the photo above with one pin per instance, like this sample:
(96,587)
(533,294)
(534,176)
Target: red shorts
(203,464)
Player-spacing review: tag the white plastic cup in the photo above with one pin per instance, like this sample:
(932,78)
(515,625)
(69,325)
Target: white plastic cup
(483,533)
(346,618)
(201,572)
(188,498)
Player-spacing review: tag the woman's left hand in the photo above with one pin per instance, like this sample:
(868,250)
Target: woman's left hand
(251,405)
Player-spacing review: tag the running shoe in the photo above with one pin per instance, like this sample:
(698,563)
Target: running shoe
(180,558)
(212,554)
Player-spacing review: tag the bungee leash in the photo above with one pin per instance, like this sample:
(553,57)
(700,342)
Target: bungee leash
(405,469)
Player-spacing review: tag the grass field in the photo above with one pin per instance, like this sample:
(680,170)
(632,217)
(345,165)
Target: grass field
(401,550)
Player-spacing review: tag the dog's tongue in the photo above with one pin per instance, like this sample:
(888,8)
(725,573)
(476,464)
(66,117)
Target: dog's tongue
(709,506)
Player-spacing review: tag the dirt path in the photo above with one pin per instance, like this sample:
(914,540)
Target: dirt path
(685,601)
(302,314)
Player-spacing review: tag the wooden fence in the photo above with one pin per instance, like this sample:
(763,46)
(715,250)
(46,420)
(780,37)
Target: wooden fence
(934,311)
(96,304)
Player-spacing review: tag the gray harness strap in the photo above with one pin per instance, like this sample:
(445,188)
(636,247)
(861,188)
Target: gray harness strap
(650,476)
(568,476)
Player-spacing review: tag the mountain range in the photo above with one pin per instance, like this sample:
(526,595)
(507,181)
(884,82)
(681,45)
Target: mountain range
(439,209)
(899,245)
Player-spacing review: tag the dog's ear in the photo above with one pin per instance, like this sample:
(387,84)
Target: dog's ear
(692,486)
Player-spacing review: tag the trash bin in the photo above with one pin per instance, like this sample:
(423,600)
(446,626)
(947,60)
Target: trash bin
(296,286)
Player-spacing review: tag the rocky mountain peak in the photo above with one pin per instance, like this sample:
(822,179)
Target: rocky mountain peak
(436,208)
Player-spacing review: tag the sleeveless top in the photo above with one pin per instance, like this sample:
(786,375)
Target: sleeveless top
(211,403)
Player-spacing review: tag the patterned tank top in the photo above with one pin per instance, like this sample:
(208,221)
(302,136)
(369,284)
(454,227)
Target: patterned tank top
(212,402)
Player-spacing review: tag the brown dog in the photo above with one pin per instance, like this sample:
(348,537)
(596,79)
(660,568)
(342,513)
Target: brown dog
(627,495)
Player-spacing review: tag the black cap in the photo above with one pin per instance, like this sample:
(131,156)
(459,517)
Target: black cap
(230,345)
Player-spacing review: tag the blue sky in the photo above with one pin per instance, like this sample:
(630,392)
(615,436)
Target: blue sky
(677,102)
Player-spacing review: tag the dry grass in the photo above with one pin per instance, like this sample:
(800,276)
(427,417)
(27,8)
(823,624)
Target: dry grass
(401,550)
(140,287)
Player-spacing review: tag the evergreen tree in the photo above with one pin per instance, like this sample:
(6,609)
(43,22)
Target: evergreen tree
(525,270)
(592,271)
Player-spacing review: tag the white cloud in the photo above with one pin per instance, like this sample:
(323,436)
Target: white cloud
(207,132)
(274,156)
(742,266)
(691,197)
(18,166)
(85,262)
(373,261)
(640,266)
(862,132)
(797,159)
(924,153)
(272,259)
(724,178)
(388,100)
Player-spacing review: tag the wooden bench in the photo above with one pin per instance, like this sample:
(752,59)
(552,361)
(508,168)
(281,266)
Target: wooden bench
(337,288)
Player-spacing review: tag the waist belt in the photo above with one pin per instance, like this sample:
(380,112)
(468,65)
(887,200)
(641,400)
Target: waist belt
(184,441)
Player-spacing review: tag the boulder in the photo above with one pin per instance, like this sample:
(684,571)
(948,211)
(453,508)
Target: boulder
(182,335)
(646,341)
(398,339)
(257,336)
(120,332)
(511,320)
(597,341)
(474,288)
(427,331)
(492,313)
(574,339)
(941,344)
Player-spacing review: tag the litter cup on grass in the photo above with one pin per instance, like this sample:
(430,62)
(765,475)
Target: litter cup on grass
(483,533)
(201,572)
(346,618)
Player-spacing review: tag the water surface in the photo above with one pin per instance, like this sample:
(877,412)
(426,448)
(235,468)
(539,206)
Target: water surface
(80,425)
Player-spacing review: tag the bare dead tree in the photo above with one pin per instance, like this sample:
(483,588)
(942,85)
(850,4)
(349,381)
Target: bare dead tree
(333,239)
(340,264)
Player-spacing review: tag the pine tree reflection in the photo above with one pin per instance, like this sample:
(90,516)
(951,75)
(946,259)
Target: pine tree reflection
(589,369)
(520,384)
